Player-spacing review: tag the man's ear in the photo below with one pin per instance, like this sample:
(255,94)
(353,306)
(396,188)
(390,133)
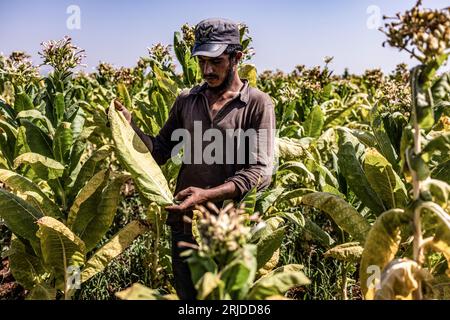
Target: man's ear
(239,56)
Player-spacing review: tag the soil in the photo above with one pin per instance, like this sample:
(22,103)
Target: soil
(9,288)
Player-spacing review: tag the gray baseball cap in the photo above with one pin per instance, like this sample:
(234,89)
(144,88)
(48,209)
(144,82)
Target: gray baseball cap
(212,36)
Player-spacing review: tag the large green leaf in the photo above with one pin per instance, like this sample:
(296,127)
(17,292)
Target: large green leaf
(22,101)
(293,197)
(76,153)
(124,96)
(314,122)
(367,138)
(315,232)
(381,245)
(8,142)
(239,274)
(61,248)
(112,249)
(25,266)
(267,245)
(278,282)
(298,168)
(267,198)
(440,143)
(30,192)
(19,216)
(207,285)
(349,160)
(62,142)
(421,107)
(382,138)
(44,167)
(84,207)
(341,212)
(249,201)
(384,180)
(59,107)
(269,226)
(160,107)
(37,115)
(37,140)
(42,291)
(89,168)
(104,213)
(135,157)
(337,116)
(21,144)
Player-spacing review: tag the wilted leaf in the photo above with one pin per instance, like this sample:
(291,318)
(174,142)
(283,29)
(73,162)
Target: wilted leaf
(380,247)
(399,279)
(341,212)
(289,149)
(350,252)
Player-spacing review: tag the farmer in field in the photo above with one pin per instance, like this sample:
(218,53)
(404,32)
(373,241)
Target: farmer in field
(223,105)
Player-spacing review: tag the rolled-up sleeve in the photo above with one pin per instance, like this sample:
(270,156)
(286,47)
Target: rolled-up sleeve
(259,172)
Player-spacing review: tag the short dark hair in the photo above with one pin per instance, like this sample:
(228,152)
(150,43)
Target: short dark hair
(232,50)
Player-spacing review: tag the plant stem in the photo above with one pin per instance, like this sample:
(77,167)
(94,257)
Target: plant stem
(417,244)
(344,281)
(156,247)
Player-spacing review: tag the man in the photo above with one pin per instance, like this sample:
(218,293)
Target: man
(223,102)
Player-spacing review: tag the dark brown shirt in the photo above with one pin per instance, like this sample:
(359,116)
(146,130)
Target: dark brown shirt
(250,109)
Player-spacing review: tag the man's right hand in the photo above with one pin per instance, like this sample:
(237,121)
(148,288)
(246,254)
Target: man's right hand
(125,112)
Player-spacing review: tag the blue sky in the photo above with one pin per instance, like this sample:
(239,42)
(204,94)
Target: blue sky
(285,32)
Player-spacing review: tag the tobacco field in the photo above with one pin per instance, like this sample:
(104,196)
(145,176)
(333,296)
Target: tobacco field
(357,209)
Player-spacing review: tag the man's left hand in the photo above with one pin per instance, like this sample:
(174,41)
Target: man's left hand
(190,197)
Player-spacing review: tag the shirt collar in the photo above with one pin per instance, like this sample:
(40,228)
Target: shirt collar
(243,94)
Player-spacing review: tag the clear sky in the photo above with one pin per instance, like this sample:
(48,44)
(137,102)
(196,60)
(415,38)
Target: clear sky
(285,32)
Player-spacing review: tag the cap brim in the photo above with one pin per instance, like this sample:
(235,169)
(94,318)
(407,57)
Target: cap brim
(209,49)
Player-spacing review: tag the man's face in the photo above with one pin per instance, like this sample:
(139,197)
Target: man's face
(215,70)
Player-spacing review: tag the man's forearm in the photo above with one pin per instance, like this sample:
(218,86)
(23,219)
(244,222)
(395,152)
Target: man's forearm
(145,138)
(225,191)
